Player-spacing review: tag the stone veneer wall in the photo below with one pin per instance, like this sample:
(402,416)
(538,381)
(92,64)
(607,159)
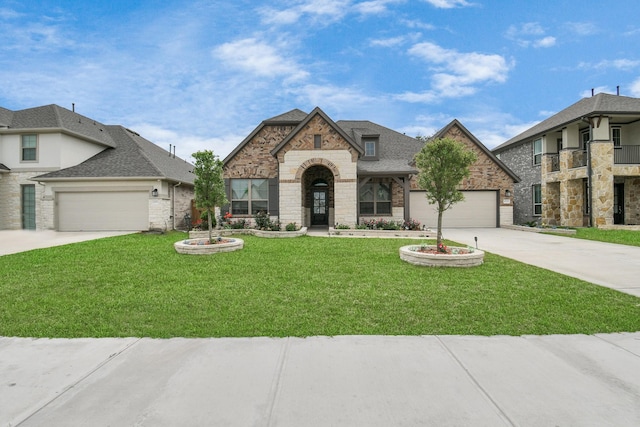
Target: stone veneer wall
(11,204)
(602,183)
(551,211)
(292,170)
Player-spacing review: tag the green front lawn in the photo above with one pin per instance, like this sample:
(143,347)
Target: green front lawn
(622,237)
(137,285)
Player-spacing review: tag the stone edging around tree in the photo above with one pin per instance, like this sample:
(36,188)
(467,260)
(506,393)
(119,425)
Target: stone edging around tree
(187,247)
(411,255)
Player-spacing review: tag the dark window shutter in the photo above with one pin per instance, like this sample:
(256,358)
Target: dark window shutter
(273,197)
(227,189)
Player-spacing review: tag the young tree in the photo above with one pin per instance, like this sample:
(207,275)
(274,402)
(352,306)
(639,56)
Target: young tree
(443,164)
(209,184)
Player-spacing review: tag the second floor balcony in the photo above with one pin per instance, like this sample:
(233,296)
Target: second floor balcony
(626,155)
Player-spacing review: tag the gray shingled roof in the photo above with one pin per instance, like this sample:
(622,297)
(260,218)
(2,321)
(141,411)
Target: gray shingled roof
(293,116)
(395,150)
(3,168)
(601,103)
(132,156)
(55,118)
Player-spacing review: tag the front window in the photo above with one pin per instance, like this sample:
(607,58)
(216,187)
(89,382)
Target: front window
(370,148)
(584,139)
(537,200)
(616,136)
(375,199)
(29,148)
(537,151)
(249,196)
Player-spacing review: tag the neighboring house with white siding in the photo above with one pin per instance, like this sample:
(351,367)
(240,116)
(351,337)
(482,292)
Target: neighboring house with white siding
(63,171)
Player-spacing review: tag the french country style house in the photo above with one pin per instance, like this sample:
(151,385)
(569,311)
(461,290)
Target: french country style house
(581,166)
(63,171)
(307,169)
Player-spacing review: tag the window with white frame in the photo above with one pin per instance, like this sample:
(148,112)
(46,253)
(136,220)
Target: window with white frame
(249,196)
(29,148)
(537,199)
(584,139)
(375,198)
(616,136)
(370,148)
(537,151)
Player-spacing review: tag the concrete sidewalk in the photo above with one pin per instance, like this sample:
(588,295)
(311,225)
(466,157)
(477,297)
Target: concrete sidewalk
(320,381)
(605,264)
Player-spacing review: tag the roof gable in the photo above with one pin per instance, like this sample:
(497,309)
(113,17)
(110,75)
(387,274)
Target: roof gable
(317,112)
(450,128)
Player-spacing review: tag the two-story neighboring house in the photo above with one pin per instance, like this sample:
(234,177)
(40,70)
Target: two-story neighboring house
(581,166)
(63,171)
(307,169)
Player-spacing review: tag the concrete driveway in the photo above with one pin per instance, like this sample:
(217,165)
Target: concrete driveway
(605,264)
(14,241)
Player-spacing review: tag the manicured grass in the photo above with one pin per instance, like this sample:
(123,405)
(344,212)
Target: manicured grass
(137,285)
(623,237)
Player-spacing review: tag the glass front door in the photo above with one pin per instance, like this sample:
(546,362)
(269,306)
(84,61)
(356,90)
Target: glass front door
(319,215)
(29,207)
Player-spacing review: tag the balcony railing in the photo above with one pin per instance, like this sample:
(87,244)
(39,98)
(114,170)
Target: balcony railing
(555,162)
(579,158)
(626,154)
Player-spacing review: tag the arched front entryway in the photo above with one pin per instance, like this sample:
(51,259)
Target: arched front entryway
(318,196)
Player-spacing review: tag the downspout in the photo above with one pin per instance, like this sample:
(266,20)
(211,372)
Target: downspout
(589,169)
(173,196)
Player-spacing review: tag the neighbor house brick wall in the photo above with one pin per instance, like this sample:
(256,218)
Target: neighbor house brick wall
(520,158)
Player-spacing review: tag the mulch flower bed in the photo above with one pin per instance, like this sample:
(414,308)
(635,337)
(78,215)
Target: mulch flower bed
(217,241)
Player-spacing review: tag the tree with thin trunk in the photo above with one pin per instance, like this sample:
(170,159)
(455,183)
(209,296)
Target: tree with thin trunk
(209,184)
(443,163)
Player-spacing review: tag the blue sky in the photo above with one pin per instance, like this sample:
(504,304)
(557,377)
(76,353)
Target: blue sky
(204,74)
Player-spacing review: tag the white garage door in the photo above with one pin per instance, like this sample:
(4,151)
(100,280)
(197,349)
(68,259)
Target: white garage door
(103,211)
(478,209)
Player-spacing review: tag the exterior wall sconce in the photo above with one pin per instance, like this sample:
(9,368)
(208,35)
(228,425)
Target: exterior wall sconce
(507,193)
(154,193)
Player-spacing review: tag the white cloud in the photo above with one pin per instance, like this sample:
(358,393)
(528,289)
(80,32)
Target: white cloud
(390,42)
(619,64)
(322,11)
(374,7)
(581,28)
(545,42)
(530,34)
(634,89)
(596,90)
(414,23)
(457,73)
(332,97)
(448,4)
(259,58)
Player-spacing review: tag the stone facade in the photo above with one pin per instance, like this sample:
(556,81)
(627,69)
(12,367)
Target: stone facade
(11,205)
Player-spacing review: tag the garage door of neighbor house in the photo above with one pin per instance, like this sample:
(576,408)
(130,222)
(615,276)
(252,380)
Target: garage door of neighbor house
(478,209)
(103,211)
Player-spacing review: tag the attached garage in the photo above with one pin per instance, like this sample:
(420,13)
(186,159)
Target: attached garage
(478,209)
(102,210)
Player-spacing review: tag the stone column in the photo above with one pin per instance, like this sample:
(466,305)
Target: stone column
(602,182)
